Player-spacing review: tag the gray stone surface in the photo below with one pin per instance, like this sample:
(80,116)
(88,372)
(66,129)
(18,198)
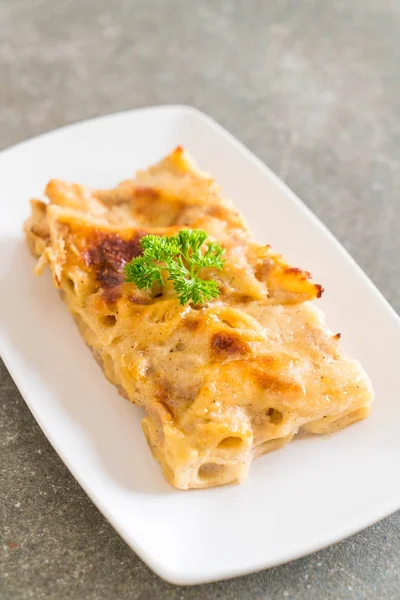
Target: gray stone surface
(313,89)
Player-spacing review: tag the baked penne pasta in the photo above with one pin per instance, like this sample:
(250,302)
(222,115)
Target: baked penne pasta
(222,382)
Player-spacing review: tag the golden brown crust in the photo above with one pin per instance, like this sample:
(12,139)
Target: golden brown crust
(225,345)
(220,383)
(108,254)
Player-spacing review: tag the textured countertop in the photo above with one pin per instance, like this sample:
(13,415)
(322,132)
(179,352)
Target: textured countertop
(313,89)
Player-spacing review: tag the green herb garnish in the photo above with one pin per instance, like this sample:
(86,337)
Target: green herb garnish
(182,256)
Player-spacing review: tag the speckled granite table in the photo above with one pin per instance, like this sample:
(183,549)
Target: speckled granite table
(312,88)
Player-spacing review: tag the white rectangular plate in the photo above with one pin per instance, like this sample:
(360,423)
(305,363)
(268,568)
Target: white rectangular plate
(296,500)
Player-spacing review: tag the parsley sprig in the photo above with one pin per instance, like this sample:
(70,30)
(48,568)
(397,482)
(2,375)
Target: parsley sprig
(182,256)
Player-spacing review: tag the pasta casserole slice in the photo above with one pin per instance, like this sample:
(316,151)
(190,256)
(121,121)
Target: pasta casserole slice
(222,381)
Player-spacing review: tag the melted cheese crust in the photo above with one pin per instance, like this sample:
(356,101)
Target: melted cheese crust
(220,383)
